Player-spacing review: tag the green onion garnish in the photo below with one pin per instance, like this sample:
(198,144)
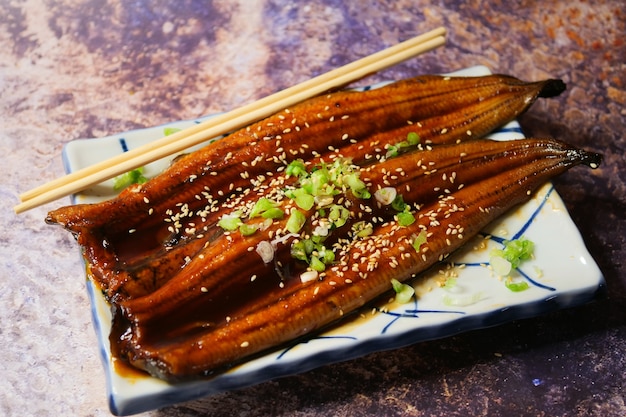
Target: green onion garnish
(398,203)
(262,205)
(461,300)
(296,221)
(392,151)
(404,292)
(357,186)
(273,213)
(511,256)
(319,182)
(302,198)
(500,266)
(298,251)
(386,195)
(248,229)
(230,221)
(419,240)
(338,215)
(296,168)
(316,264)
(315,254)
(405,218)
(450,283)
(517,286)
(516,251)
(362,229)
(327,256)
(170,130)
(413,138)
(129,178)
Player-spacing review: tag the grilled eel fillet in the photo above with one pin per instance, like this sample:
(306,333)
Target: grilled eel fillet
(216,313)
(218,302)
(358,125)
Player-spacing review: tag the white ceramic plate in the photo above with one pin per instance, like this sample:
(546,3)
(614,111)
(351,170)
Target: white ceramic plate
(562,274)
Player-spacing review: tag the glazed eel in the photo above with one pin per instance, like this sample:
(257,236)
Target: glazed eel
(359,125)
(191,296)
(216,313)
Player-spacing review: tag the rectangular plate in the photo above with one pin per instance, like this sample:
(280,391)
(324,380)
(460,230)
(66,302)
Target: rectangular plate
(562,274)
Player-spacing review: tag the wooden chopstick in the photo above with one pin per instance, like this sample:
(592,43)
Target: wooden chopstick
(226,122)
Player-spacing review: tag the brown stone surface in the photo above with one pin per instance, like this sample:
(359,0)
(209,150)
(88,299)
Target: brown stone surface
(89,68)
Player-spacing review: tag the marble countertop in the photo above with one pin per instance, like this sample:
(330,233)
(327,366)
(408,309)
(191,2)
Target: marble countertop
(87,68)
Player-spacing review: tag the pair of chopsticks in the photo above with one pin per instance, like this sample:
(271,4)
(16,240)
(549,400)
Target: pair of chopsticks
(227,122)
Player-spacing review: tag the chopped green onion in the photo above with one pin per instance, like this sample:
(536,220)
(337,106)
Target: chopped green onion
(413,138)
(296,168)
(356,185)
(404,292)
(230,221)
(170,130)
(319,181)
(419,240)
(392,151)
(461,300)
(308,276)
(500,266)
(386,195)
(353,181)
(338,215)
(362,229)
(516,286)
(362,193)
(248,229)
(323,200)
(405,218)
(318,238)
(309,246)
(262,205)
(265,251)
(504,260)
(515,251)
(129,178)
(303,199)
(273,213)
(450,283)
(398,203)
(315,254)
(316,264)
(296,221)
(298,251)
(327,256)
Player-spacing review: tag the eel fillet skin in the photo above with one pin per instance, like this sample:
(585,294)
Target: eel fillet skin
(358,125)
(215,314)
